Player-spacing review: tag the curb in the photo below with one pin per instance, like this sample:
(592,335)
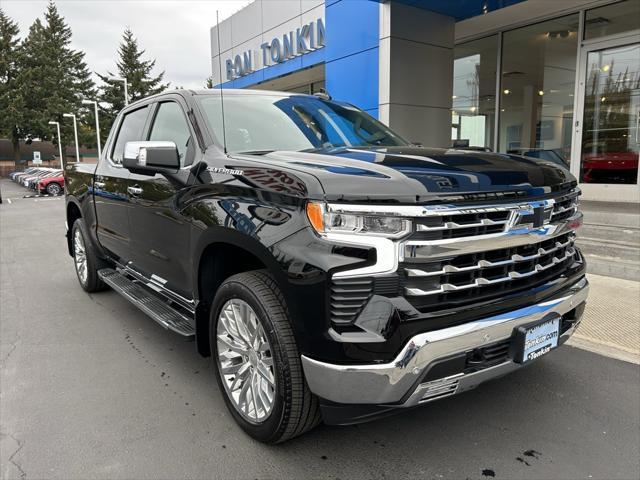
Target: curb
(604,348)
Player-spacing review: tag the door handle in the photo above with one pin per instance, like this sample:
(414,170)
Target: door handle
(134,190)
(99,184)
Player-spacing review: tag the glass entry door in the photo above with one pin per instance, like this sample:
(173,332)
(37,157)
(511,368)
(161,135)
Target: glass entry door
(608,137)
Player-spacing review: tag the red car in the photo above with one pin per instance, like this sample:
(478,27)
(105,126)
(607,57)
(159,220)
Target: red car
(51,185)
(610,167)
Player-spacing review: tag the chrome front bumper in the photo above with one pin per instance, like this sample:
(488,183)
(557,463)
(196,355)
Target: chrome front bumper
(396,383)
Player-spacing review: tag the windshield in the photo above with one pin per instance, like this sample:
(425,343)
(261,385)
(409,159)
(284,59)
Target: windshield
(264,123)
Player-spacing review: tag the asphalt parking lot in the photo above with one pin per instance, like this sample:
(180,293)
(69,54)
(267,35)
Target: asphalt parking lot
(91,388)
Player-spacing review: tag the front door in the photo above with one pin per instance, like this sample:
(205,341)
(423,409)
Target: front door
(110,187)
(160,238)
(608,133)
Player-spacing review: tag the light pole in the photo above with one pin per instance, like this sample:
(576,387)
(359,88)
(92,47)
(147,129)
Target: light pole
(126,91)
(95,109)
(75,133)
(57,124)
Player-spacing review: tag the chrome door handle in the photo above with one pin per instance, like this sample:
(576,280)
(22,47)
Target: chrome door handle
(134,190)
(99,184)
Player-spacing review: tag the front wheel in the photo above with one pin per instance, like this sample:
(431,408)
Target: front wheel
(86,261)
(257,361)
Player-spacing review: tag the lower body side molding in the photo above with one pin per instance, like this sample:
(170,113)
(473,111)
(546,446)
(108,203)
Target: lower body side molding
(149,303)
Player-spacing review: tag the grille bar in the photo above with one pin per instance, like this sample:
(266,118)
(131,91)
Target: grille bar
(415,272)
(565,207)
(479,282)
(454,225)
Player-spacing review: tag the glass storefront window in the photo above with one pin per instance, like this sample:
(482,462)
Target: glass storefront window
(474,86)
(537,89)
(611,123)
(611,19)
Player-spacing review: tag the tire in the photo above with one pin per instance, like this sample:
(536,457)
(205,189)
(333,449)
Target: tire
(84,253)
(54,189)
(294,409)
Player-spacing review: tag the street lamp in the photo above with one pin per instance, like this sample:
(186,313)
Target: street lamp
(75,133)
(95,109)
(126,91)
(57,124)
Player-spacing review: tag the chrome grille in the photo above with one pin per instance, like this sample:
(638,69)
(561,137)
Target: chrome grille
(565,207)
(439,388)
(470,277)
(461,225)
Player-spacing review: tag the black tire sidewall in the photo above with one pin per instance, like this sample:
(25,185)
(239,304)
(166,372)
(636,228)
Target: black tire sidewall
(271,429)
(93,282)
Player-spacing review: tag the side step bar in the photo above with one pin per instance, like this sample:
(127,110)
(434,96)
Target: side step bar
(149,303)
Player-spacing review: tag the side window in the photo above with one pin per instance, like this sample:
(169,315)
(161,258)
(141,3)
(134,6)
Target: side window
(170,125)
(130,131)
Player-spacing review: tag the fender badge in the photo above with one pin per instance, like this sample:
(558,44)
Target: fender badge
(226,171)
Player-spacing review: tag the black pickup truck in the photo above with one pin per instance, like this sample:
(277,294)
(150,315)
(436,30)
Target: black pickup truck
(332,270)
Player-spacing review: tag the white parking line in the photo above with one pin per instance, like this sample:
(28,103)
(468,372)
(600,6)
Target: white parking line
(9,200)
(46,199)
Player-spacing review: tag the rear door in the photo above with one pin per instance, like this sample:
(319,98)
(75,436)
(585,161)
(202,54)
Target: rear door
(110,186)
(160,237)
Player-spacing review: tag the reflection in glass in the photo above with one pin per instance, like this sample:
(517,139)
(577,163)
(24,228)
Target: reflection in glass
(474,85)
(538,79)
(612,19)
(262,123)
(611,116)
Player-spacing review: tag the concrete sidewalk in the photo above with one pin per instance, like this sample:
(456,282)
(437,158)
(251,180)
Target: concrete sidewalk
(611,323)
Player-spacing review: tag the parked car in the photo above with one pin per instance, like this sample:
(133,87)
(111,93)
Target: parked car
(31,180)
(33,177)
(18,175)
(332,270)
(52,185)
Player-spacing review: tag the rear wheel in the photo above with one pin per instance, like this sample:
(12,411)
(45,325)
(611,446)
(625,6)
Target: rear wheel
(257,361)
(54,189)
(86,261)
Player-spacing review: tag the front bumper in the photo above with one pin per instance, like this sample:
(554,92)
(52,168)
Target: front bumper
(399,383)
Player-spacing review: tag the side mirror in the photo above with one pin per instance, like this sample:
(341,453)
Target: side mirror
(149,158)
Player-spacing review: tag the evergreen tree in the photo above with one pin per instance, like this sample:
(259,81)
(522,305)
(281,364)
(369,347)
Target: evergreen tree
(53,80)
(10,100)
(140,81)
(209,82)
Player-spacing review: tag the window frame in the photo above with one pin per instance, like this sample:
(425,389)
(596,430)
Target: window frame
(114,140)
(153,115)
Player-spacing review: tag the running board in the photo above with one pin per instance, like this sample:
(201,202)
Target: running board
(149,303)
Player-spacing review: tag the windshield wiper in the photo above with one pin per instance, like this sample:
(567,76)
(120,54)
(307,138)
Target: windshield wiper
(256,152)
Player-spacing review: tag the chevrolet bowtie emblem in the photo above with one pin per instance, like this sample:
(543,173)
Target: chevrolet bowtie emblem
(533,216)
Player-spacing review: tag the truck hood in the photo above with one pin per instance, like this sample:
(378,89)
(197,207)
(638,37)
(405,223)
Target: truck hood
(417,174)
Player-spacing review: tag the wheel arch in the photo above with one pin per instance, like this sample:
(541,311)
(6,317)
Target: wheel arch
(73,213)
(221,254)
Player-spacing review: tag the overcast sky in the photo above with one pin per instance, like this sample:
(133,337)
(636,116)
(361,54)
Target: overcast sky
(174,32)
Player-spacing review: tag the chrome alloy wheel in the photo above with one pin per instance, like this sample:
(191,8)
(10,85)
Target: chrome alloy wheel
(80,256)
(245,361)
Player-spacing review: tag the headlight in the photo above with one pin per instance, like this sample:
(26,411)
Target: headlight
(324,220)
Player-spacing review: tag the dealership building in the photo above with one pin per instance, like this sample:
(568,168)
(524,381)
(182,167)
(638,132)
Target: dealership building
(557,80)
